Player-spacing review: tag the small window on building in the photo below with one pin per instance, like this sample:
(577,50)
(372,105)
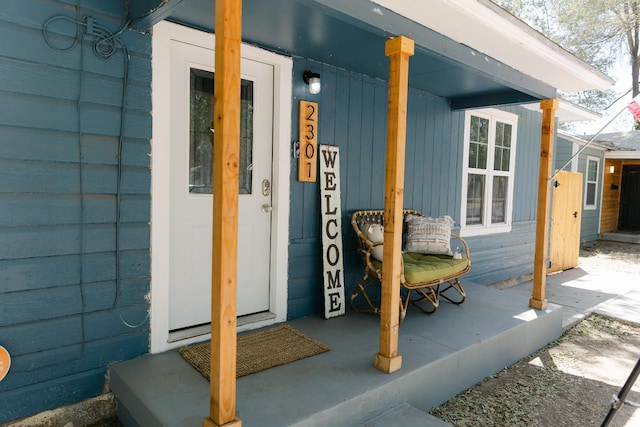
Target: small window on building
(489,170)
(591,183)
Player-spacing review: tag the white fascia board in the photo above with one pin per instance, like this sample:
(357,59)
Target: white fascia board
(622,155)
(487,28)
(568,112)
(581,142)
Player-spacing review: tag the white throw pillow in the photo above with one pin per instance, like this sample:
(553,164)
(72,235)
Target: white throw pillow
(375,233)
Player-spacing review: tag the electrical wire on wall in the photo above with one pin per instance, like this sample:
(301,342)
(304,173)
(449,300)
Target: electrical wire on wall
(105,45)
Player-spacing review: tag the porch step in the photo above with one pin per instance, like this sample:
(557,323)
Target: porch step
(405,415)
(625,237)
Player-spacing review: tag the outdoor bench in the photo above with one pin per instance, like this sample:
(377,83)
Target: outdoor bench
(429,268)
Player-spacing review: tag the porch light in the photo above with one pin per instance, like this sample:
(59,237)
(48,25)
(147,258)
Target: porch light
(313,81)
(612,169)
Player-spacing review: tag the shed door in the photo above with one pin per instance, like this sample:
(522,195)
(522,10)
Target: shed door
(629,200)
(566,216)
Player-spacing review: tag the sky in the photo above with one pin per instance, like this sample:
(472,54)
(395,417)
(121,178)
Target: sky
(624,122)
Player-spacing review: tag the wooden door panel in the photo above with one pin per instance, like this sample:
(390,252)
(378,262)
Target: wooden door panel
(565,222)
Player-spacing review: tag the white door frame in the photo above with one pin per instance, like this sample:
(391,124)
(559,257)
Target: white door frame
(163,33)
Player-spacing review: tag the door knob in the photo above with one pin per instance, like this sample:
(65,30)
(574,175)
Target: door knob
(266,208)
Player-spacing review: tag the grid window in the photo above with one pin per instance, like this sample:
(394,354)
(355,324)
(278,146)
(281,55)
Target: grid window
(591,185)
(489,171)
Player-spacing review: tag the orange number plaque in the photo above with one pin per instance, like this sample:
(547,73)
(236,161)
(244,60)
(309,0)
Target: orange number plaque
(5,362)
(308,135)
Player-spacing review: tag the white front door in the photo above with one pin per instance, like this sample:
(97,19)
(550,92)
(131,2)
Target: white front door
(191,98)
(182,67)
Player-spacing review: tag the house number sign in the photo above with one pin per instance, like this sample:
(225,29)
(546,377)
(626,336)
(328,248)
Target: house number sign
(331,209)
(308,135)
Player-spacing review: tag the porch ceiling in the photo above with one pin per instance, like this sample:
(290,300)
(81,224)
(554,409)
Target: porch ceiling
(351,35)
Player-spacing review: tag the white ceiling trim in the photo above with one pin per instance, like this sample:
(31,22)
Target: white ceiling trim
(568,112)
(623,155)
(487,28)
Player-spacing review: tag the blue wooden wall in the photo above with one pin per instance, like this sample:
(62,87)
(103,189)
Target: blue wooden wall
(590,223)
(63,317)
(353,110)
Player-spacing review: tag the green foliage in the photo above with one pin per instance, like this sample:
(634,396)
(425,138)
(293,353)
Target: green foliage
(599,32)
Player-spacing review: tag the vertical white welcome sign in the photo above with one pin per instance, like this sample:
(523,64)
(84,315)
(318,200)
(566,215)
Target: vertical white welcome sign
(332,262)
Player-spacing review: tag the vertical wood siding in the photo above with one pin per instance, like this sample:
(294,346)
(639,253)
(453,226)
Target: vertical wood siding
(353,110)
(611,196)
(62,316)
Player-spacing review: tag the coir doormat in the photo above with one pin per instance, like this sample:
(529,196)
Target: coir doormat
(259,350)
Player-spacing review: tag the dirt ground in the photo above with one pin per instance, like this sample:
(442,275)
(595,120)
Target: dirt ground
(570,382)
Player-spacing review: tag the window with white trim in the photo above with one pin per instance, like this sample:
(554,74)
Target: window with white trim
(591,183)
(489,170)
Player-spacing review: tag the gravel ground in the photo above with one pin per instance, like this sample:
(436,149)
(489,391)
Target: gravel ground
(571,381)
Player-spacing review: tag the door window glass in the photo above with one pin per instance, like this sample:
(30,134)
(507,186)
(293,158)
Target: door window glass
(201,133)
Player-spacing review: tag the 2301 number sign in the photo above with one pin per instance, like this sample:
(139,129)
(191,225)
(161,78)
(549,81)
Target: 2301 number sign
(308,135)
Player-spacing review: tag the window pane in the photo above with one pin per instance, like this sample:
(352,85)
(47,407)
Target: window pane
(499,202)
(592,171)
(502,150)
(591,193)
(473,155)
(482,156)
(475,199)
(246,136)
(201,137)
(478,142)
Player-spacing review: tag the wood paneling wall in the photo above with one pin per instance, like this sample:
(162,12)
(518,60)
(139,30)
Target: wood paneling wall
(611,195)
(60,316)
(353,116)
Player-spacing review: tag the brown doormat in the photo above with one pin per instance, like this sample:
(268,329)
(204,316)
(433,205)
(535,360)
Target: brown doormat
(259,350)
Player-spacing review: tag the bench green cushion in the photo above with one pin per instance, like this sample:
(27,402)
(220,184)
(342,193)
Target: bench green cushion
(419,268)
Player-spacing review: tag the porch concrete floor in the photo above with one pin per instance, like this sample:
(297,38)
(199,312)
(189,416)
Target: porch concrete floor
(443,354)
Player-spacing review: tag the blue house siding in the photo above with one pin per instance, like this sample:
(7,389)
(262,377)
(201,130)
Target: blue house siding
(563,153)
(63,315)
(352,114)
(590,222)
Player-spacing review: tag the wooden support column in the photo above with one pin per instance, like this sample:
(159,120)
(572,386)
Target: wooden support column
(398,50)
(226,160)
(538,300)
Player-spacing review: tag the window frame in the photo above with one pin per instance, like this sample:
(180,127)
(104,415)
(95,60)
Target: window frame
(493,115)
(596,160)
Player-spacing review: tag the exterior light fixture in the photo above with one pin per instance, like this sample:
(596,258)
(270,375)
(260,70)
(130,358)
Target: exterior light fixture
(612,169)
(313,81)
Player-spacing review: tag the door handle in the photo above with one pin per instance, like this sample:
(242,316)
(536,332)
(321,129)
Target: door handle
(575,214)
(267,208)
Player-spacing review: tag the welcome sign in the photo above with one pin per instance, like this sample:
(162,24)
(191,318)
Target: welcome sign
(333,270)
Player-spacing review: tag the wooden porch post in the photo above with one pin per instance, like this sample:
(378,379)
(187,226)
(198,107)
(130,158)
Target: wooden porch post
(226,149)
(538,300)
(398,50)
